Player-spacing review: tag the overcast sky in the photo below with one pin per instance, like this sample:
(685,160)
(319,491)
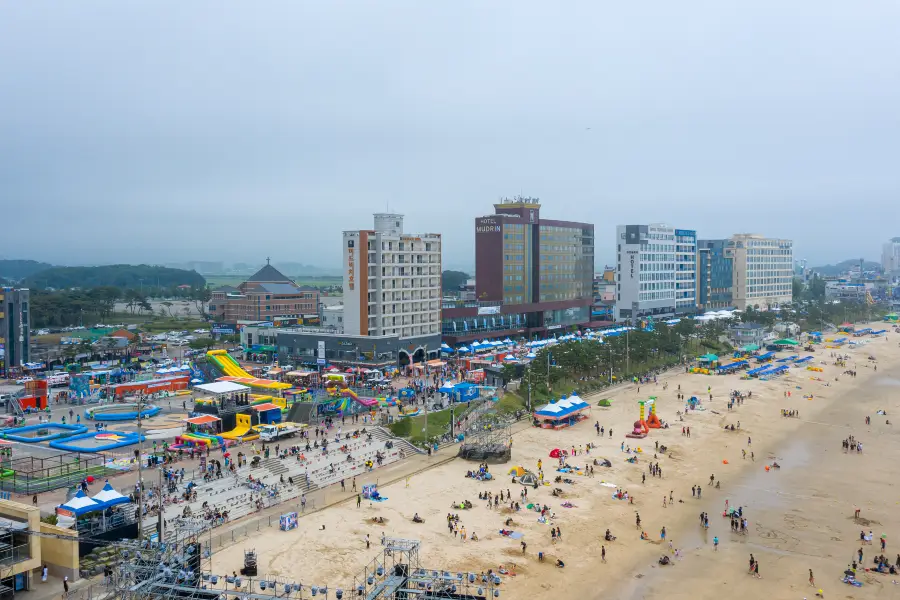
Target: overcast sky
(165,131)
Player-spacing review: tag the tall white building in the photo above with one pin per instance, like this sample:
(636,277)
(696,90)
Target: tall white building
(392,285)
(655,271)
(763,271)
(890,256)
(685,271)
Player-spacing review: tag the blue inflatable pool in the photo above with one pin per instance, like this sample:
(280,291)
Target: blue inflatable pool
(97,441)
(28,433)
(121,412)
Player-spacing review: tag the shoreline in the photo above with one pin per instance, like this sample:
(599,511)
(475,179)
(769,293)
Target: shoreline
(307,554)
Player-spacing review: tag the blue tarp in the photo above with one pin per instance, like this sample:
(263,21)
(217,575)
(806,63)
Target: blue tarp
(732,366)
(757,370)
(765,356)
(805,359)
(463,392)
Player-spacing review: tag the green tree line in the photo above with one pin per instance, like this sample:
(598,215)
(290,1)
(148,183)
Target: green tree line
(85,307)
(142,277)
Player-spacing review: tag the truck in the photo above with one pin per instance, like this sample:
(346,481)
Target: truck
(271,433)
(58,379)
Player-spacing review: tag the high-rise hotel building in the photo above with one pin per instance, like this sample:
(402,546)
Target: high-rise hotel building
(533,276)
(762,271)
(392,285)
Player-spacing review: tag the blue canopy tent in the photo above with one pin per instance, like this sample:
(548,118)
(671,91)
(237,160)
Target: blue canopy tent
(757,370)
(447,388)
(564,413)
(463,349)
(81,504)
(108,496)
(446,349)
(464,392)
(803,360)
(765,356)
(732,366)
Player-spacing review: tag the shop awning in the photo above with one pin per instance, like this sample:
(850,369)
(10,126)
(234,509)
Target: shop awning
(202,420)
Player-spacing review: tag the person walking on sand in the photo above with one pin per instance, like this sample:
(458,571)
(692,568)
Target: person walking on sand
(812,580)
(716,543)
(358,500)
(603,554)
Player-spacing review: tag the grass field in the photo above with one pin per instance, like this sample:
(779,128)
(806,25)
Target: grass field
(439,422)
(235,280)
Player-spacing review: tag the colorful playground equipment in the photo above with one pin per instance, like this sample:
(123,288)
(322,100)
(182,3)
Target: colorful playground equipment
(31,434)
(653,420)
(407,411)
(243,430)
(121,412)
(197,440)
(641,429)
(223,361)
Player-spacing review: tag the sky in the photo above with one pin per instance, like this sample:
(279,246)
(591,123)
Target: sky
(167,131)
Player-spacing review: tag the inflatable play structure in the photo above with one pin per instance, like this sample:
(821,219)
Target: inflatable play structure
(641,428)
(31,434)
(197,440)
(121,412)
(243,430)
(344,400)
(222,361)
(653,420)
(97,442)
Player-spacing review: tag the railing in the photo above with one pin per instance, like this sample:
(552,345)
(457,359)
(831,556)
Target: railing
(14,555)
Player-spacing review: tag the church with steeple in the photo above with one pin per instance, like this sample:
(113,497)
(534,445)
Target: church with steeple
(267,295)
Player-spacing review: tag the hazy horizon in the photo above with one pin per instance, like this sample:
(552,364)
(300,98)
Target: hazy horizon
(168,132)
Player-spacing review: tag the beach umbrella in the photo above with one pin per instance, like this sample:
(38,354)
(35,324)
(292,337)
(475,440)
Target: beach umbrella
(507,341)
(510,357)
(447,388)
(463,349)
(195,380)
(531,355)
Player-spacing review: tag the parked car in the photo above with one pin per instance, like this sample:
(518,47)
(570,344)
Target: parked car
(24,380)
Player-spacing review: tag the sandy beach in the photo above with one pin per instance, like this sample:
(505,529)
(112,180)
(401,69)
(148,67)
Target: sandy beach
(800,517)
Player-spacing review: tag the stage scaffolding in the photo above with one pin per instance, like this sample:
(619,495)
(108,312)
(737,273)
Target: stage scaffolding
(173,571)
(488,439)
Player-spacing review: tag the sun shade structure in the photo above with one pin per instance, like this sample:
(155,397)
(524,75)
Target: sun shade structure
(81,504)
(708,358)
(110,497)
(786,342)
(222,387)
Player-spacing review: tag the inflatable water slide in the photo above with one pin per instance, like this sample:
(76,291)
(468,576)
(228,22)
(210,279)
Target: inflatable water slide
(241,431)
(233,371)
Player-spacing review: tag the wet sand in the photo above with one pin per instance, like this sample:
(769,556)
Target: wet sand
(800,517)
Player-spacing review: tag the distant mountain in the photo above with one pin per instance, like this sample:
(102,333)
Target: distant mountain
(121,276)
(846,265)
(15,270)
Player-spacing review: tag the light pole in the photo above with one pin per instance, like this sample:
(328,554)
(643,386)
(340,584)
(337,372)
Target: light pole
(140,459)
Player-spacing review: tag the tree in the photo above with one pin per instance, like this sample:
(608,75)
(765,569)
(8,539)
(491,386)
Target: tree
(796,288)
(168,307)
(201,298)
(451,280)
(203,343)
